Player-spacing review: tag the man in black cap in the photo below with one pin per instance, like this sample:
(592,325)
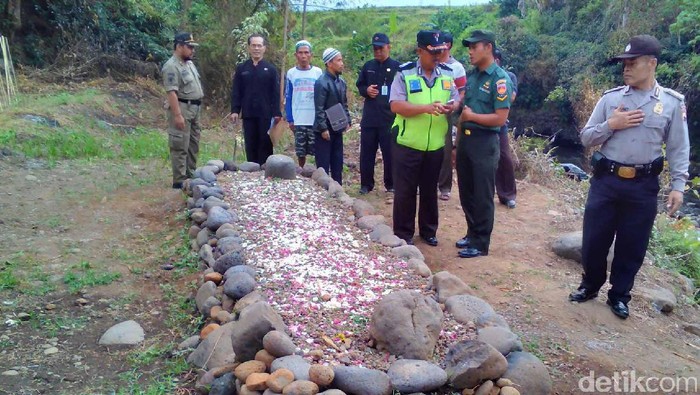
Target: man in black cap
(486,107)
(373,84)
(422,96)
(181,81)
(631,123)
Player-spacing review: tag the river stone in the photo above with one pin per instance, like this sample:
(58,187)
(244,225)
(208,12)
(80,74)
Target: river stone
(278,344)
(217,163)
(419,267)
(247,300)
(279,379)
(205,291)
(467,308)
(332,391)
(501,339)
(208,175)
(193,232)
(127,332)
(212,202)
(321,375)
(229,244)
(198,217)
(224,228)
(245,369)
(215,350)
(213,169)
(361,208)
(486,388)
(528,373)
(280,166)
(408,252)
(294,363)
(257,381)
(239,285)
(218,216)
(190,342)
(324,182)
(491,319)
(203,237)
(692,328)
(223,385)
(407,324)
(301,387)
(380,231)
(412,375)
(568,246)
(346,200)
(661,298)
(240,269)
(308,170)
(208,305)
(335,190)
(391,240)
(206,254)
(250,328)
(368,222)
(193,183)
(318,173)
(199,204)
(447,284)
(359,380)
(228,260)
(249,167)
(470,362)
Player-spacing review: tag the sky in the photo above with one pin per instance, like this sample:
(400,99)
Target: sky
(389,3)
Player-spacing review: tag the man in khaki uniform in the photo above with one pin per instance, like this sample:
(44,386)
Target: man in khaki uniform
(181,81)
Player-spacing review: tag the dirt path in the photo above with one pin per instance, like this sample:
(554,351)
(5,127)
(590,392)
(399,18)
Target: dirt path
(528,284)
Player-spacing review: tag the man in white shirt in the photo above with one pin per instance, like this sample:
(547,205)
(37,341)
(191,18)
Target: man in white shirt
(299,100)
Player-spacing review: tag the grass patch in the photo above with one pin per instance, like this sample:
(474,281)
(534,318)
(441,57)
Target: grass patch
(87,277)
(8,281)
(675,245)
(53,326)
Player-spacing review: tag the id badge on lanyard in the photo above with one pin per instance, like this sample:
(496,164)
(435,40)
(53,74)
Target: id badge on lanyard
(385,90)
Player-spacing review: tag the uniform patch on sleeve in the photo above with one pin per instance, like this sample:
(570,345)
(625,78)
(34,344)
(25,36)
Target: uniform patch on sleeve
(171,78)
(446,85)
(683,111)
(501,90)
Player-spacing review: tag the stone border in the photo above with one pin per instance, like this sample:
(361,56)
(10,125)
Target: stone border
(246,338)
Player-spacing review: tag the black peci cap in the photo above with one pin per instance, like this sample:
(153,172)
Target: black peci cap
(380,39)
(185,38)
(479,36)
(432,40)
(497,54)
(640,46)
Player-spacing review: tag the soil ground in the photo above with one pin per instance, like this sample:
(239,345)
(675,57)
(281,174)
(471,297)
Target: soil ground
(91,219)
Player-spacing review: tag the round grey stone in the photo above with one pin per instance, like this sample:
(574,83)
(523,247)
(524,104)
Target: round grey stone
(239,285)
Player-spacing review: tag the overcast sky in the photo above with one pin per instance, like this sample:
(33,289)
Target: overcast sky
(325,4)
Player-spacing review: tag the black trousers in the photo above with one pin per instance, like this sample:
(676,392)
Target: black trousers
(258,146)
(371,139)
(477,158)
(624,209)
(329,155)
(505,174)
(415,169)
(445,178)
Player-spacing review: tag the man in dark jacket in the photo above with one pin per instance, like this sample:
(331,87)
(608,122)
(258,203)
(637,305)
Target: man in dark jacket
(255,95)
(373,84)
(332,115)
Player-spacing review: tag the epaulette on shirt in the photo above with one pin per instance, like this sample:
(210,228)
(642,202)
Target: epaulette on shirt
(614,89)
(444,67)
(407,66)
(674,94)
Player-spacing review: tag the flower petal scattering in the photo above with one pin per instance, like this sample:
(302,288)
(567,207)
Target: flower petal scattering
(316,268)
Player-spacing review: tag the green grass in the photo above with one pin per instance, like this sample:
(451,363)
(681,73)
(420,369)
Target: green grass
(87,277)
(675,245)
(8,281)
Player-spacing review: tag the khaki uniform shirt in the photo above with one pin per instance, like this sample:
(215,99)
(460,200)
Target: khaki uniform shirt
(664,122)
(183,78)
